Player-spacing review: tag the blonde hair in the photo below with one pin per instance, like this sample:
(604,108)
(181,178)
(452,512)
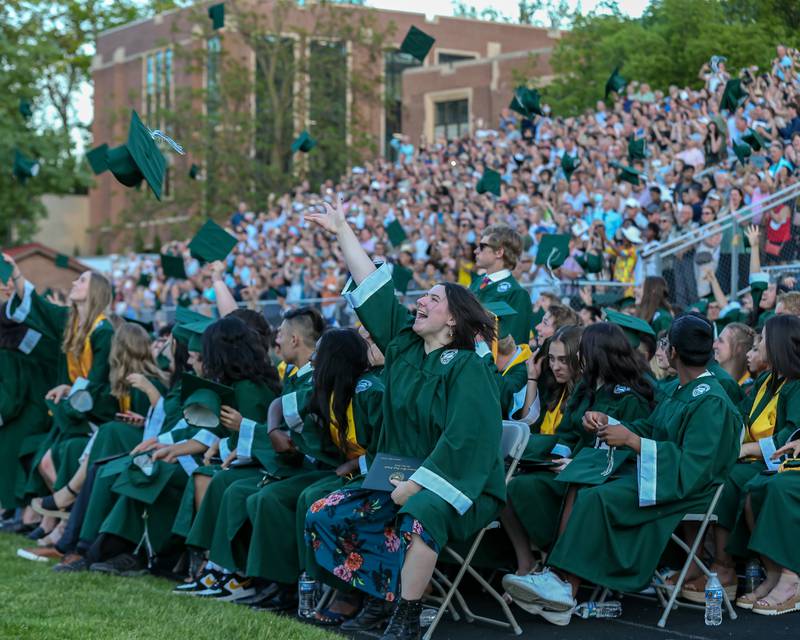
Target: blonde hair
(130,353)
(506,239)
(97,301)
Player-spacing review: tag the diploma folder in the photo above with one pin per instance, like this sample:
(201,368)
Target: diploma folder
(386,467)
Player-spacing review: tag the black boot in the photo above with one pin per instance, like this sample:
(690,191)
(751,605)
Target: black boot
(373,615)
(404,623)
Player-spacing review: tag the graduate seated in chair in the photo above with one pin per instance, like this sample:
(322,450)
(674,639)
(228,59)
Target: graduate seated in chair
(614,533)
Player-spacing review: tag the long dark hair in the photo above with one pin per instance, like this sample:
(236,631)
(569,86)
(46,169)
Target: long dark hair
(607,356)
(655,295)
(570,337)
(258,324)
(180,360)
(783,348)
(231,354)
(471,318)
(340,359)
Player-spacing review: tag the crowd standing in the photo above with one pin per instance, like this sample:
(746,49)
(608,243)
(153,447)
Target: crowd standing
(231,451)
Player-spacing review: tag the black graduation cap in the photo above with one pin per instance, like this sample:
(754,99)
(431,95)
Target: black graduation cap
(553,249)
(489,182)
(396,233)
(211,243)
(194,172)
(742,151)
(25,109)
(637,149)
(615,82)
(24,167)
(173,266)
(628,174)
(216,13)
(144,280)
(526,102)
(148,326)
(754,139)
(417,43)
(304,142)
(733,95)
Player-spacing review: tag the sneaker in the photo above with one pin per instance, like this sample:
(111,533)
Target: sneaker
(40,554)
(72,563)
(559,618)
(261,595)
(206,581)
(125,564)
(544,588)
(229,588)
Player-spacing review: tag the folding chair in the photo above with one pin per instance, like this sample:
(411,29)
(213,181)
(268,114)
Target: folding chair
(512,446)
(691,556)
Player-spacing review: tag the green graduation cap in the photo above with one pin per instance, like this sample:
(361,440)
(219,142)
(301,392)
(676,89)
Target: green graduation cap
(173,266)
(569,164)
(625,302)
(62,261)
(590,465)
(194,172)
(733,95)
(195,331)
(216,13)
(144,480)
(417,43)
(501,310)
(701,305)
(755,140)
(144,280)
(615,82)
(6,270)
(637,149)
(628,174)
(211,243)
(742,151)
(489,182)
(401,276)
(202,400)
(396,233)
(136,160)
(304,142)
(590,262)
(148,326)
(25,109)
(526,102)
(610,299)
(632,326)
(185,316)
(553,250)
(24,167)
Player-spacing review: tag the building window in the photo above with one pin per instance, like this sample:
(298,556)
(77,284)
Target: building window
(213,49)
(451,119)
(448,58)
(158,98)
(394,65)
(327,110)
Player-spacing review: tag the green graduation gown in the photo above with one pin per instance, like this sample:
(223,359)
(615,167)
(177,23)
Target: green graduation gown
(662,320)
(617,531)
(505,288)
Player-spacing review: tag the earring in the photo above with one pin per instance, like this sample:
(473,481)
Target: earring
(451,332)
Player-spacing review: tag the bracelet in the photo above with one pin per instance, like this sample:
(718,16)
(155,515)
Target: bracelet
(533,379)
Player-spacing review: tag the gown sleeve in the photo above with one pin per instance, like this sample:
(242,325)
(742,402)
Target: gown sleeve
(93,397)
(515,380)
(12,396)
(37,313)
(519,325)
(788,416)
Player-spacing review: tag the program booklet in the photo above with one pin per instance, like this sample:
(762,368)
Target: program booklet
(386,467)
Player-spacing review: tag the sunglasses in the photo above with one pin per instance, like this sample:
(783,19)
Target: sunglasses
(485,245)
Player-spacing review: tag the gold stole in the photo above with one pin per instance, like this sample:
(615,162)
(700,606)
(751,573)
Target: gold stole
(125,403)
(552,419)
(763,424)
(354,450)
(744,378)
(79,367)
(524,353)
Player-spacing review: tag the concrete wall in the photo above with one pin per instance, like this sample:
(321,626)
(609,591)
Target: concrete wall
(66,226)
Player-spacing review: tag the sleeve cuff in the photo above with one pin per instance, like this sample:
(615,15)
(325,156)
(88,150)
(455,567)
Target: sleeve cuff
(247,431)
(369,286)
(767,446)
(535,410)
(729,308)
(188,464)
(290,413)
(79,398)
(29,341)
(205,437)
(224,448)
(561,450)
(518,401)
(166,438)
(363,467)
(1,420)
(24,307)
(759,278)
(155,420)
(647,472)
(482,349)
(442,488)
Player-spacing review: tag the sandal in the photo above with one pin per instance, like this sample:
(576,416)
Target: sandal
(47,506)
(765,607)
(695,590)
(327,618)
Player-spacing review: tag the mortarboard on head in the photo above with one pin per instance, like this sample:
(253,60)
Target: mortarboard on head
(701,305)
(6,270)
(62,261)
(211,243)
(185,316)
(553,250)
(501,310)
(396,233)
(569,164)
(401,276)
(526,102)
(417,43)
(637,149)
(732,95)
(173,266)
(25,109)
(626,302)
(24,167)
(147,326)
(202,400)
(615,82)
(216,14)
(628,174)
(632,326)
(304,142)
(194,172)
(610,299)
(489,182)
(191,333)
(754,139)
(742,151)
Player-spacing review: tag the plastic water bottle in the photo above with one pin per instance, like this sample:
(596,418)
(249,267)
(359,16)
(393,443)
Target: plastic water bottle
(752,576)
(591,609)
(306,596)
(714,596)
(427,616)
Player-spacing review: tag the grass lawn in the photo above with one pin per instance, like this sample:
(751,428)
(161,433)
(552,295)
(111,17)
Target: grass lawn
(37,603)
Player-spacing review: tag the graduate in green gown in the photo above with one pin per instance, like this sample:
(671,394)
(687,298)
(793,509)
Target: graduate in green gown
(431,411)
(612,381)
(613,534)
(730,351)
(496,255)
(654,306)
(510,363)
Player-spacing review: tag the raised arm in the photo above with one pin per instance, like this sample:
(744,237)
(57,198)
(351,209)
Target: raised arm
(225,300)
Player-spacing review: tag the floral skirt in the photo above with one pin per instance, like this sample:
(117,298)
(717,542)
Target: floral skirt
(357,535)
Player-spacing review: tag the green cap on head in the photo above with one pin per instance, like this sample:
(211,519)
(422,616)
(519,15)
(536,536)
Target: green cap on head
(489,182)
(25,167)
(553,250)
(628,174)
(304,142)
(202,400)
(590,262)
(615,83)
(417,43)
(632,326)
(501,310)
(173,266)
(216,13)
(211,243)
(733,95)
(396,233)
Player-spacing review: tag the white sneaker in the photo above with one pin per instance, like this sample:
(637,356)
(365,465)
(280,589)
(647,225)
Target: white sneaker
(543,588)
(559,618)
(230,589)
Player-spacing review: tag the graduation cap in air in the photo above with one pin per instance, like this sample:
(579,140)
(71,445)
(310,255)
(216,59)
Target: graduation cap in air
(569,164)
(216,14)
(632,327)
(202,400)
(62,261)
(417,43)
(637,149)
(501,310)
(194,172)
(742,151)
(186,316)
(401,276)
(25,109)
(6,270)
(628,174)
(590,262)
(489,182)
(732,95)
(24,167)
(144,280)
(173,266)
(526,102)
(211,243)
(553,250)
(136,160)
(615,82)
(304,142)
(755,140)
(396,233)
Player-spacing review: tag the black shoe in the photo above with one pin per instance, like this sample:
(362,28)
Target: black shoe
(263,594)
(72,563)
(16,526)
(205,581)
(284,600)
(125,564)
(373,615)
(37,534)
(404,623)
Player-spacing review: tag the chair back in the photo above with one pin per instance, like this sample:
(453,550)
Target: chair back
(512,445)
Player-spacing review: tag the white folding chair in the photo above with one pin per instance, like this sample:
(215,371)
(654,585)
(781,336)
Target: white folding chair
(691,556)
(512,446)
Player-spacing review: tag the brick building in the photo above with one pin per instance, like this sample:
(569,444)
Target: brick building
(467,76)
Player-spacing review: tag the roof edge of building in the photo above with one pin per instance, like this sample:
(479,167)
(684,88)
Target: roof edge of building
(511,55)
